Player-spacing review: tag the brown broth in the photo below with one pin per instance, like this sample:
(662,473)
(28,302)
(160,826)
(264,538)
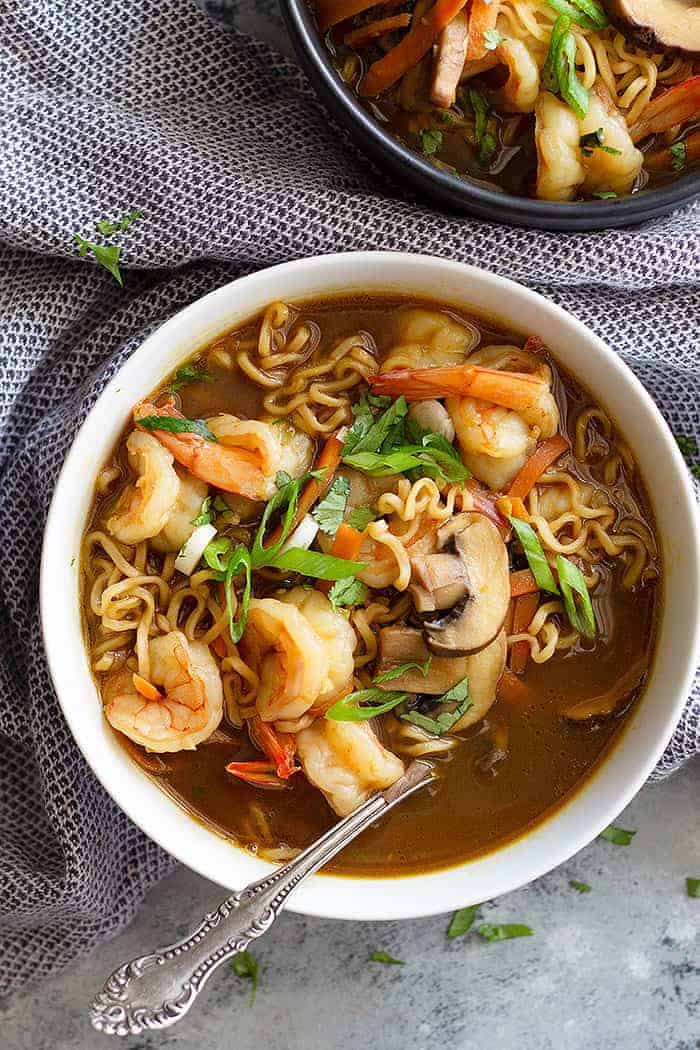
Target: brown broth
(471,810)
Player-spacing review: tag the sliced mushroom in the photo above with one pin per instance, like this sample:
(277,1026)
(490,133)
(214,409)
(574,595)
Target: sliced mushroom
(658,24)
(432,415)
(450,56)
(399,644)
(483,672)
(438,581)
(475,620)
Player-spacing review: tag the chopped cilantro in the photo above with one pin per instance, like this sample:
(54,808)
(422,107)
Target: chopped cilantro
(618,835)
(462,921)
(328,512)
(431,141)
(348,591)
(384,957)
(246,966)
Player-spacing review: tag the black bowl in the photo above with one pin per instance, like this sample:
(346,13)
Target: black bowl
(464,194)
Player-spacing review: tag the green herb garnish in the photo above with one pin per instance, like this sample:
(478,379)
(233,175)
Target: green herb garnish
(582,887)
(206,513)
(245,965)
(348,591)
(392,444)
(594,140)
(617,835)
(462,921)
(577,600)
(485,140)
(384,957)
(445,720)
(431,141)
(605,195)
(492,38)
(687,445)
(365,704)
(396,672)
(107,227)
(190,374)
(679,155)
(535,555)
(360,518)
(315,564)
(177,425)
(106,255)
(503,931)
(328,512)
(692,887)
(559,71)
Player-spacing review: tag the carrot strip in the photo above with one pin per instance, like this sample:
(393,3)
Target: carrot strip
(331,12)
(219,647)
(145,688)
(365,34)
(347,542)
(514,691)
(522,582)
(525,608)
(678,105)
(512,507)
(315,488)
(409,51)
(544,455)
(482,18)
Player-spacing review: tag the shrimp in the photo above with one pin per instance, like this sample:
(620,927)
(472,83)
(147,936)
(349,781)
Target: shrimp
(180,523)
(346,762)
(188,710)
(520,91)
(498,414)
(564,166)
(428,337)
(301,650)
(145,504)
(560,169)
(604,170)
(246,456)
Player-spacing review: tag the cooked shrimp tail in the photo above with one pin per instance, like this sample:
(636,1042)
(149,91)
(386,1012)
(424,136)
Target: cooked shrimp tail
(259,774)
(516,390)
(280,748)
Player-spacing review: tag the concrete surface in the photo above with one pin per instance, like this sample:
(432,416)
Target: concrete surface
(613,968)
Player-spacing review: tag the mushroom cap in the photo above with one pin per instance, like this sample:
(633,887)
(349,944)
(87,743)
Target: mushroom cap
(659,24)
(475,620)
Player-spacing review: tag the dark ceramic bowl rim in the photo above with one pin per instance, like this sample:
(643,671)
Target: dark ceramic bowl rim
(495,205)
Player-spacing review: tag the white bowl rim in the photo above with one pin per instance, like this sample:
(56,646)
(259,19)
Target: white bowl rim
(551,842)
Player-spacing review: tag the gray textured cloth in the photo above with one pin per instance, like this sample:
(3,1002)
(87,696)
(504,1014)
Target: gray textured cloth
(107,105)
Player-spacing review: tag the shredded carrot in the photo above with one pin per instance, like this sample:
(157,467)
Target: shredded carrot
(514,691)
(365,34)
(524,609)
(522,582)
(331,12)
(144,687)
(482,18)
(544,455)
(409,51)
(219,647)
(512,507)
(314,489)
(347,543)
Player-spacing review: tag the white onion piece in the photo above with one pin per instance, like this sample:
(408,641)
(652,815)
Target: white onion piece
(193,549)
(303,535)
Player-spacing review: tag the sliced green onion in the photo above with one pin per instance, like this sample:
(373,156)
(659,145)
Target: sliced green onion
(462,921)
(378,702)
(384,957)
(581,887)
(446,720)
(572,585)
(692,887)
(553,70)
(619,836)
(313,563)
(240,559)
(491,931)
(587,13)
(400,669)
(571,89)
(535,555)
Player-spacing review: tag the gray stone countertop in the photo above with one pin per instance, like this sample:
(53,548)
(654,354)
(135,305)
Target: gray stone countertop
(613,968)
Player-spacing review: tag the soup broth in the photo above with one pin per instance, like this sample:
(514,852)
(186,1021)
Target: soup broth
(533,746)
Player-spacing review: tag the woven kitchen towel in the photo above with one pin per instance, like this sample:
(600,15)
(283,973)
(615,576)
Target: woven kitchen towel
(108,105)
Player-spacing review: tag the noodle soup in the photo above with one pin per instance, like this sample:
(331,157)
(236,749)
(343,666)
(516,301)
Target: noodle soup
(556,101)
(417,535)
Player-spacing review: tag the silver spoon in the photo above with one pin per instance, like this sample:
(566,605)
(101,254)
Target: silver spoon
(155,991)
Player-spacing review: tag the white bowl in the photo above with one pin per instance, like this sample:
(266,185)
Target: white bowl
(612,786)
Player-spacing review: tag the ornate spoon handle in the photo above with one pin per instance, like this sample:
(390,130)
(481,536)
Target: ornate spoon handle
(155,991)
